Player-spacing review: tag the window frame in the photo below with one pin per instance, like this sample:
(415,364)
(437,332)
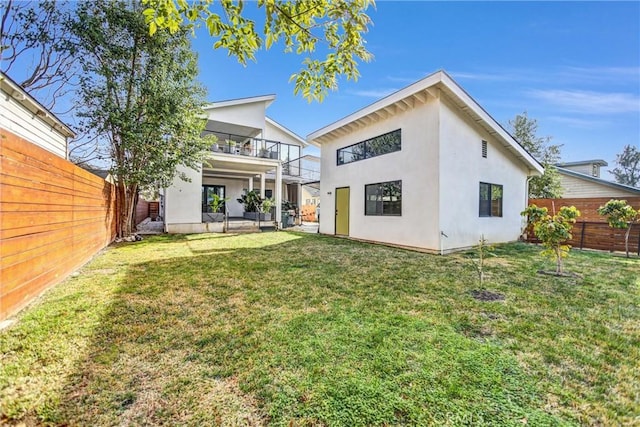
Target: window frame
(490,214)
(205,206)
(365,151)
(379,185)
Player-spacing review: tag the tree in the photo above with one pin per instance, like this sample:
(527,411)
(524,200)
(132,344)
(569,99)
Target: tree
(553,231)
(138,94)
(36,49)
(620,215)
(299,24)
(628,170)
(524,130)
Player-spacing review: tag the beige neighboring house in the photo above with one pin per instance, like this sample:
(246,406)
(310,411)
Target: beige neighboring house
(582,180)
(23,115)
(310,195)
(425,167)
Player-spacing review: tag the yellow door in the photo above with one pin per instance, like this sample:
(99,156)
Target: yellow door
(342,211)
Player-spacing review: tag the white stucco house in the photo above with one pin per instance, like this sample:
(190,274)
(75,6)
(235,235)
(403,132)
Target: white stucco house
(581,179)
(425,167)
(24,116)
(253,152)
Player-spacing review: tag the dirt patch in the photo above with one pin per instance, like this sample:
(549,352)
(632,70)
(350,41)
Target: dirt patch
(564,274)
(484,295)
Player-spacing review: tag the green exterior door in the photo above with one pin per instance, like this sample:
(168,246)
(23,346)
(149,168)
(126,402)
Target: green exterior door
(342,211)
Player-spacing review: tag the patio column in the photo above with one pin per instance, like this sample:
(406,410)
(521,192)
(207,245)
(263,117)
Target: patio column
(250,183)
(279,195)
(300,202)
(262,185)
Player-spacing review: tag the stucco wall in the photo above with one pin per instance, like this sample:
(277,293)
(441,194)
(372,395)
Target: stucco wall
(250,115)
(183,200)
(416,165)
(23,123)
(462,168)
(272,133)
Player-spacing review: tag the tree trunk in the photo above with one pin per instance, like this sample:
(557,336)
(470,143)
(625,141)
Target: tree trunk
(126,202)
(558,261)
(626,239)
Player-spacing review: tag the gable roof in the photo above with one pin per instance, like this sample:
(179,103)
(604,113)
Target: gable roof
(287,131)
(23,97)
(419,92)
(600,181)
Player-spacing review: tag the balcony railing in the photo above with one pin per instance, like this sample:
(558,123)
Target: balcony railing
(245,146)
(257,147)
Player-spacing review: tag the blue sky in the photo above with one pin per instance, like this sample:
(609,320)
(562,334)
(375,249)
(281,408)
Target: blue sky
(573,66)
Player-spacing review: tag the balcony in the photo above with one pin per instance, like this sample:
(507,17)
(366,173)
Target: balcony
(257,147)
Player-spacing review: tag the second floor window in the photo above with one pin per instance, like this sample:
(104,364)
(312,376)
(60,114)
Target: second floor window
(376,146)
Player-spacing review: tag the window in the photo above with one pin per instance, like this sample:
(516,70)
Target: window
(377,146)
(207,196)
(484,149)
(384,198)
(490,199)
(595,171)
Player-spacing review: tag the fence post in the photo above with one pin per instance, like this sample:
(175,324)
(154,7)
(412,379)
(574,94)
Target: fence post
(584,223)
(638,242)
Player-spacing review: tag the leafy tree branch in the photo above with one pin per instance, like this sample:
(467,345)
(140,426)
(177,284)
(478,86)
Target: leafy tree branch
(340,24)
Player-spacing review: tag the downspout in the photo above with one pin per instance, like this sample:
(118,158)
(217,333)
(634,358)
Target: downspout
(441,242)
(526,203)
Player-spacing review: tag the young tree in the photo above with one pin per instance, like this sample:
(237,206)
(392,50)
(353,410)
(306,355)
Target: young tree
(299,24)
(36,49)
(620,215)
(139,95)
(524,130)
(553,231)
(628,170)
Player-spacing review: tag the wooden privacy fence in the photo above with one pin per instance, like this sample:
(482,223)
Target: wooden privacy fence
(146,210)
(592,231)
(54,216)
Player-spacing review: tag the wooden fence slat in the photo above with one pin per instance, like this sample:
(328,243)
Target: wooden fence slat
(54,216)
(592,231)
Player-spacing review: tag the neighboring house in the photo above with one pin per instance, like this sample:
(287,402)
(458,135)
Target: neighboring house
(25,117)
(582,180)
(253,152)
(310,195)
(425,167)
(310,202)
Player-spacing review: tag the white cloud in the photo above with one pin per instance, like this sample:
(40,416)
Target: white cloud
(575,122)
(600,74)
(589,102)
(373,93)
(565,75)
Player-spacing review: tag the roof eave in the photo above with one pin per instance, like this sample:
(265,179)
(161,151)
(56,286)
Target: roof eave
(30,103)
(267,99)
(420,92)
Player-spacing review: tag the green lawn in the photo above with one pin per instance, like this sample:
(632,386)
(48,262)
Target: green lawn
(301,329)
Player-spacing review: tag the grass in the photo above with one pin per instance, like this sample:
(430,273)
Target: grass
(299,329)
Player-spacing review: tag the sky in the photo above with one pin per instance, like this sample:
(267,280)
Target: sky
(572,66)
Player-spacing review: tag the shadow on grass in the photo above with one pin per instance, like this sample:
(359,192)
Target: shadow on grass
(313,330)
